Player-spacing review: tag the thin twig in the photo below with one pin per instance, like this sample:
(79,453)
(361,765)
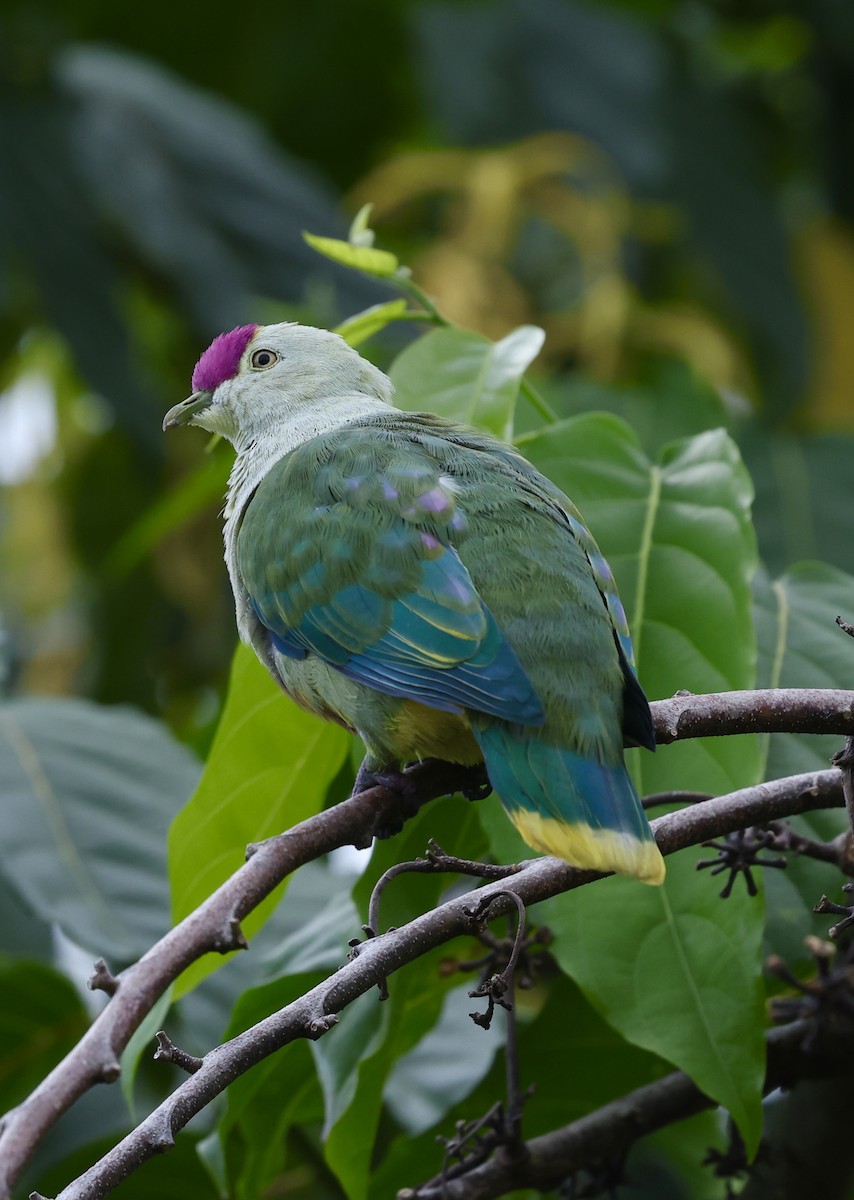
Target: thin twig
(658,799)
(167,1051)
(436,862)
(845,761)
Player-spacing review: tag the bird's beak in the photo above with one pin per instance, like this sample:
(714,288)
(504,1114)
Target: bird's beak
(183,413)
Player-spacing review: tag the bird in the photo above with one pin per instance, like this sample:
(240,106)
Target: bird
(422,584)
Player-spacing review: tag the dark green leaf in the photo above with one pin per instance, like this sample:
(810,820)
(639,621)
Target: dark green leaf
(800,645)
(41,1018)
(199,490)
(356,1067)
(804,495)
(444,1067)
(572,1059)
(677,534)
(677,972)
(86,797)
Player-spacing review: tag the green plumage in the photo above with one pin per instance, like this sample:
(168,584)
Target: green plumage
(349,508)
(425,586)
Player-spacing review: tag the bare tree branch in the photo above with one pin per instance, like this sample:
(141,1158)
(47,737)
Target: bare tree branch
(803,1050)
(315,1012)
(215,925)
(772,710)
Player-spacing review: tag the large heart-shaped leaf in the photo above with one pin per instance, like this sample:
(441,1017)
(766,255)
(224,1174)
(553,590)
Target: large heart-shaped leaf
(677,533)
(682,977)
(86,797)
(465,377)
(800,645)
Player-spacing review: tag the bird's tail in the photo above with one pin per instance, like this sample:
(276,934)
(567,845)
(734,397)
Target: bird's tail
(581,810)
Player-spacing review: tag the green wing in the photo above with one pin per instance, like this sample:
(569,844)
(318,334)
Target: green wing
(345,551)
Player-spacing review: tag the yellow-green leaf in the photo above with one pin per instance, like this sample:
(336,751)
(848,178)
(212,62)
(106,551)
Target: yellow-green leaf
(359,328)
(381,263)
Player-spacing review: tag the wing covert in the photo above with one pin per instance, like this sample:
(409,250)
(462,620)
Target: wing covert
(356,566)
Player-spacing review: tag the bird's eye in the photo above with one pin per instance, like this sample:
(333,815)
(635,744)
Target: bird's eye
(264,358)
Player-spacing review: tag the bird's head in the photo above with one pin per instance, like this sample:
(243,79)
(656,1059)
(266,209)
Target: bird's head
(259,377)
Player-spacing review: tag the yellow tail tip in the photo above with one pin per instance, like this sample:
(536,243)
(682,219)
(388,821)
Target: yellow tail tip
(591,849)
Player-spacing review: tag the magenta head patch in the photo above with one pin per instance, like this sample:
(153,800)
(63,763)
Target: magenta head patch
(222,358)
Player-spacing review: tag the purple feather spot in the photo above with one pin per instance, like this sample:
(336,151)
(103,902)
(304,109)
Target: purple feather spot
(617,610)
(429,541)
(600,566)
(390,493)
(434,501)
(222,358)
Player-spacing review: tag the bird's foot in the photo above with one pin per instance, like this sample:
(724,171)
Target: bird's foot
(479,787)
(471,781)
(394,780)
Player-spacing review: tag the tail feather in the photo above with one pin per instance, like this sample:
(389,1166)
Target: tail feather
(579,809)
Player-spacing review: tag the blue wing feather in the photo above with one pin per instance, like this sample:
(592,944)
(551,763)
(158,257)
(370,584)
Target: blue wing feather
(439,644)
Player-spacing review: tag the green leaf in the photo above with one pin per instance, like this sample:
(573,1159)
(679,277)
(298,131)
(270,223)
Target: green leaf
(804,495)
(86,797)
(270,767)
(361,1030)
(282,1090)
(678,536)
(679,974)
(199,490)
(360,232)
(178,1175)
(219,229)
(364,325)
(465,377)
(142,1041)
(444,1067)
(381,263)
(800,645)
(41,1018)
(671,402)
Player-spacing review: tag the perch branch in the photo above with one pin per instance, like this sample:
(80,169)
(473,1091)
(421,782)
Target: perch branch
(314,1013)
(772,710)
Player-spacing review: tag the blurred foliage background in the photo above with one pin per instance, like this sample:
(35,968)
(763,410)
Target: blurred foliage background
(665,186)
